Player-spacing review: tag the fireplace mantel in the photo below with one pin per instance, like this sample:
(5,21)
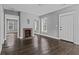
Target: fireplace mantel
(27,32)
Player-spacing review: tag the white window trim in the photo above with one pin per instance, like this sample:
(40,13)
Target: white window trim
(35,25)
(43,21)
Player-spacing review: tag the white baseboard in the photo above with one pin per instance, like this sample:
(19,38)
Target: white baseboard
(47,35)
(77,43)
(21,37)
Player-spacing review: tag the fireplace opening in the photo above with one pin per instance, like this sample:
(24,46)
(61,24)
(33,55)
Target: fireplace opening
(27,32)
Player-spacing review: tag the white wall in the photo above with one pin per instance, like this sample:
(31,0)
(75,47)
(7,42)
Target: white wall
(1,26)
(24,24)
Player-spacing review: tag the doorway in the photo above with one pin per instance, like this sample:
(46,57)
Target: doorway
(66,26)
(11,29)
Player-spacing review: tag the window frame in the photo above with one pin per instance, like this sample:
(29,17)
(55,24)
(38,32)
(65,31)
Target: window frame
(44,24)
(14,22)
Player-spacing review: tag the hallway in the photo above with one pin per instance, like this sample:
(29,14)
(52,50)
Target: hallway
(40,46)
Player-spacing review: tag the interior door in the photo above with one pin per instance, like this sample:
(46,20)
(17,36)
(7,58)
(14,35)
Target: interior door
(66,26)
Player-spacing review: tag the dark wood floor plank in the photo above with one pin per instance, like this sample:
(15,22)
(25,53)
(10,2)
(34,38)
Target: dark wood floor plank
(40,45)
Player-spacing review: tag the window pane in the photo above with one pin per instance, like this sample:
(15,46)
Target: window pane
(44,24)
(12,25)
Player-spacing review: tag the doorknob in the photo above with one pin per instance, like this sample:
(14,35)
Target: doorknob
(60,29)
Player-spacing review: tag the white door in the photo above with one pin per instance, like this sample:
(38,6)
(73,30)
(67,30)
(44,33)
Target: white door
(66,26)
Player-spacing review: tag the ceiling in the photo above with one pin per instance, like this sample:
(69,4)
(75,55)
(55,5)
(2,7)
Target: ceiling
(37,9)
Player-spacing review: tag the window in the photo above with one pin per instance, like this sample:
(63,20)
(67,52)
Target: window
(11,25)
(44,24)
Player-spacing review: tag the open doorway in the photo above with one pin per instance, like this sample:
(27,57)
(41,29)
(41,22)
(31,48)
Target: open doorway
(11,28)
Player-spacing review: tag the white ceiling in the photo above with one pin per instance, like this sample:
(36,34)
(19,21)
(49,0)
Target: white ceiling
(37,9)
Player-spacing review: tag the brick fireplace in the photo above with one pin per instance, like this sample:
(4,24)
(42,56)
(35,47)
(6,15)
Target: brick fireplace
(27,32)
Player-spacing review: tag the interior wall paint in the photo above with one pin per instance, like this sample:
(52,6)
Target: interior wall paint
(1,26)
(51,24)
(23,22)
(53,20)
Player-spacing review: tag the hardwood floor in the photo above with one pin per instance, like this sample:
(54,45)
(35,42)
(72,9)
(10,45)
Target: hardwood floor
(40,46)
